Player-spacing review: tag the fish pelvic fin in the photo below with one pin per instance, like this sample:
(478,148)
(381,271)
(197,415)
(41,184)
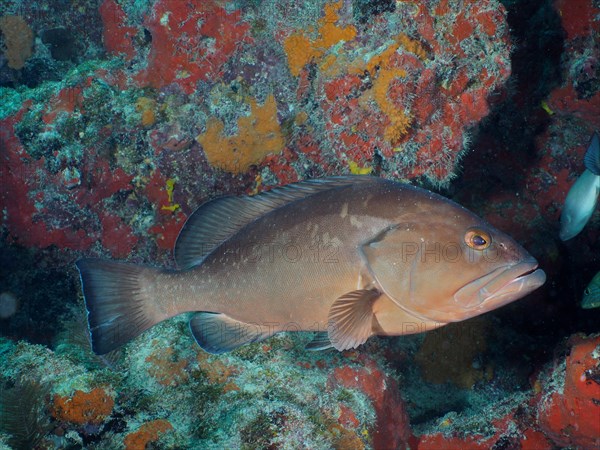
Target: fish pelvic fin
(592,156)
(218,333)
(351,319)
(119,308)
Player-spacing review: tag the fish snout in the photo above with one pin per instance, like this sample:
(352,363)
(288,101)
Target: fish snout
(513,253)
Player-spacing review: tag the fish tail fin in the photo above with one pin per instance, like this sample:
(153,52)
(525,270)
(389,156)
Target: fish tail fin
(592,155)
(118,306)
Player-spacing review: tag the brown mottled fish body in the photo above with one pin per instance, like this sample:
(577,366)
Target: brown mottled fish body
(292,263)
(349,257)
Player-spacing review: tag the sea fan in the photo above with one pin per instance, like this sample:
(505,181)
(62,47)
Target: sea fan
(22,414)
(73,341)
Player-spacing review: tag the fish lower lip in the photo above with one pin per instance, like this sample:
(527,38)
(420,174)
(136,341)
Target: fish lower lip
(515,287)
(525,269)
(501,286)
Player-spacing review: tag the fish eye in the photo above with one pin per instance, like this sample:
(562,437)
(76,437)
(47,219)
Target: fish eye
(478,239)
(586,291)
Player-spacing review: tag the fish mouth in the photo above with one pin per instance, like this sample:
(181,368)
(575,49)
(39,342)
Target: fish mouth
(566,234)
(501,286)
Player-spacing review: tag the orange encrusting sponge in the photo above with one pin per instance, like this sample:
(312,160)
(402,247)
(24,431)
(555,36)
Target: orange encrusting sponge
(259,135)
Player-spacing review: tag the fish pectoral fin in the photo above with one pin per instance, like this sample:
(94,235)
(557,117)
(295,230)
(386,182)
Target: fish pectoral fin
(320,342)
(351,318)
(218,333)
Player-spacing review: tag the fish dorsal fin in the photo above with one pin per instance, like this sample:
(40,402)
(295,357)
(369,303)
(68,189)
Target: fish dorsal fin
(217,220)
(592,156)
(320,342)
(218,333)
(351,319)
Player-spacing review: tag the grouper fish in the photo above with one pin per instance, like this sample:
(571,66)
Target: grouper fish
(345,257)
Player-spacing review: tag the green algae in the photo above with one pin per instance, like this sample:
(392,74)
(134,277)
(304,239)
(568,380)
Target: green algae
(12,100)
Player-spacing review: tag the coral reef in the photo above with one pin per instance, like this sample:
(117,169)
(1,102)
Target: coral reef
(191,41)
(398,103)
(117,37)
(59,40)
(454,353)
(258,136)
(275,393)
(18,40)
(147,433)
(568,410)
(204,93)
(392,423)
(562,111)
(108,141)
(401,99)
(561,411)
(177,395)
(83,407)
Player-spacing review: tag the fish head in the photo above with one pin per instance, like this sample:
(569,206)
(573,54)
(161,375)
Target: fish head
(590,300)
(449,265)
(591,294)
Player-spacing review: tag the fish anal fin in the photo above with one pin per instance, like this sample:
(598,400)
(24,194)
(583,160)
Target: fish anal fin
(320,342)
(351,318)
(218,333)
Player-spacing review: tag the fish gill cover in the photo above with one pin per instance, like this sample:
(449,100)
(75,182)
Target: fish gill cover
(117,121)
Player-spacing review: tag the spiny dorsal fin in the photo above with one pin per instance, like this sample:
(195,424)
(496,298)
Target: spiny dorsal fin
(351,318)
(217,220)
(218,333)
(592,156)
